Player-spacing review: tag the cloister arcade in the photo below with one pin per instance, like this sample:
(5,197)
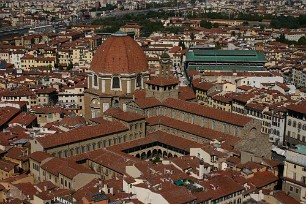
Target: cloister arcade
(155,149)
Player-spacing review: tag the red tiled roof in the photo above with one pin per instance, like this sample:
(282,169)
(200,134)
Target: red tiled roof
(251,165)
(45,90)
(233,160)
(285,198)
(207,112)
(17,153)
(161,137)
(163,81)
(261,179)
(186,93)
(202,85)
(6,165)
(219,185)
(82,133)
(193,129)
(66,167)
(178,195)
(119,54)
(297,108)
(23,119)
(7,113)
(28,56)
(71,122)
(27,189)
(125,116)
(245,87)
(147,102)
(39,156)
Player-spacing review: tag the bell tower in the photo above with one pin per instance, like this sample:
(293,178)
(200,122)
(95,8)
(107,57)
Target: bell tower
(165,66)
(165,85)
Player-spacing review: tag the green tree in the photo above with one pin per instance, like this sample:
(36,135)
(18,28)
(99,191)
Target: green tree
(285,22)
(182,44)
(49,66)
(215,25)
(218,46)
(302,41)
(192,37)
(206,24)
(281,38)
(245,23)
(70,66)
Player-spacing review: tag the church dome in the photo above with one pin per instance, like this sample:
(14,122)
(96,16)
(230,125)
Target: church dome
(119,54)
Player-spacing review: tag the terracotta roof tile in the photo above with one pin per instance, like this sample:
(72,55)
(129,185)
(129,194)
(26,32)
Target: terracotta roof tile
(17,153)
(125,116)
(66,167)
(193,129)
(147,102)
(186,93)
(39,156)
(119,54)
(261,179)
(23,119)
(207,112)
(284,198)
(7,113)
(163,81)
(81,133)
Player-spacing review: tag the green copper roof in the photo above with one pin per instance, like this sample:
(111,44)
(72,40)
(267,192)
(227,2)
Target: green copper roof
(301,149)
(119,34)
(225,56)
(225,68)
(179,182)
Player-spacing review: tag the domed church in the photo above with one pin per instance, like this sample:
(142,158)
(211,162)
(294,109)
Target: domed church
(119,67)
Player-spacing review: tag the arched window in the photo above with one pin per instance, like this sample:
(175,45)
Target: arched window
(304,127)
(138,81)
(66,153)
(294,124)
(109,142)
(95,80)
(289,122)
(299,125)
(71,152)
(116,83)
